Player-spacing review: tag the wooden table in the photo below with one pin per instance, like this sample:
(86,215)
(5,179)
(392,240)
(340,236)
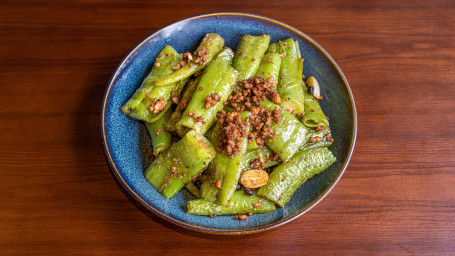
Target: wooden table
(58,196)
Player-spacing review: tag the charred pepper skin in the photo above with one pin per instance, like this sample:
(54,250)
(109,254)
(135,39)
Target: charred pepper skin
(212,43)
(289,176)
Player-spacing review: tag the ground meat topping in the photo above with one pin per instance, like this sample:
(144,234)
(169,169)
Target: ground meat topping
(201,58)
(176,67)
(173,170)
(320,128)
(241,217)
(157,105)
(276,98)
(187,57)
(255,90)
(211,100)
(275,157)
(218,184)
(254,164)
(315,139)
(175,100)
(196,118)
(232,131)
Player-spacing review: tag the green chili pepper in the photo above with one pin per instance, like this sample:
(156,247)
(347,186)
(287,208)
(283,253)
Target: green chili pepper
(142,111)
(270,66)
(289,176)
(138,107)
(162,66)
(289,133)
(290,78)
(193,189)
(313,113)
(249,54)
(161,138)
(228,169)
(265,152)
(239,204)
(300,60)
(193,153)
(252,145)
(213,134)
(274,48)
(213,43)
(186,96)
(219,77)
(208,191)
(323,138)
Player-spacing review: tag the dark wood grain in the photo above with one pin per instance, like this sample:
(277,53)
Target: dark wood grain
(58,197)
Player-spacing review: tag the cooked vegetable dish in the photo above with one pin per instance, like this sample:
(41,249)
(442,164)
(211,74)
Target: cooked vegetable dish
(240,131)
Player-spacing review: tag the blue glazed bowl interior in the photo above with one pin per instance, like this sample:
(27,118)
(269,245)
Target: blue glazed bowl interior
(124,138)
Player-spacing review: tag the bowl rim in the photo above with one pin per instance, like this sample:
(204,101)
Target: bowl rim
(164,216)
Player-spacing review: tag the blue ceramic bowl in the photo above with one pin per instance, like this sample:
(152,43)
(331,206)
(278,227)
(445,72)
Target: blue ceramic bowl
(124,138)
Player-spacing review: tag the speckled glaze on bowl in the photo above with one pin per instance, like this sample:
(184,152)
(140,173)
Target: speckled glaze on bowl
(124,137)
